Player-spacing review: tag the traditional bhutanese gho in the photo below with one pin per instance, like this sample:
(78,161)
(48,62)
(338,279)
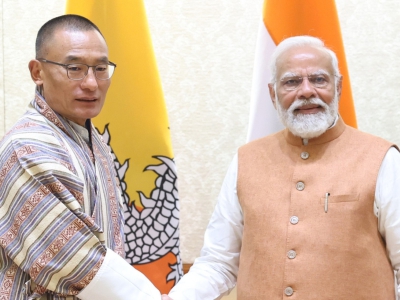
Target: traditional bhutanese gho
(60,206)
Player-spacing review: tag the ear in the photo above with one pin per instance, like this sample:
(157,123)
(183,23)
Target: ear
(35,68)
(272,93)
(339,87)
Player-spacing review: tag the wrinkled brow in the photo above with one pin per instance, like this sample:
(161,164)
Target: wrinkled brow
(319,72)
(291,74)
(77,59)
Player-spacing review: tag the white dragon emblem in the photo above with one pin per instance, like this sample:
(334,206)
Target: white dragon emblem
(153,232)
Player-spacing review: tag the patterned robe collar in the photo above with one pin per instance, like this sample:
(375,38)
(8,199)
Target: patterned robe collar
(40,104)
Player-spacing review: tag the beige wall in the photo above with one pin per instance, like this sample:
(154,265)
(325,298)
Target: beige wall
(2,104)
(205,52)
(20,21)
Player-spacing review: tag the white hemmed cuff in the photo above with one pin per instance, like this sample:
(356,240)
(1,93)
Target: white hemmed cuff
(118,280)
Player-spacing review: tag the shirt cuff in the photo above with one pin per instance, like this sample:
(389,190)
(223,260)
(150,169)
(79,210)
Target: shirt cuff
(118,280)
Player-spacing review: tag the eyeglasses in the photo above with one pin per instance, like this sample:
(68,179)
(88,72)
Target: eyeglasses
(79,71)
(319,81)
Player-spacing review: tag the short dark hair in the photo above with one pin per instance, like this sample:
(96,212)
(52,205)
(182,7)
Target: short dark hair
(69,22)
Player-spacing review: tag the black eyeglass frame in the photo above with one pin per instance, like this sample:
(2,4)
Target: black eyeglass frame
(65,66)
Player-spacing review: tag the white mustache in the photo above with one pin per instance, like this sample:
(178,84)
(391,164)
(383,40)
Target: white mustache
(299,103)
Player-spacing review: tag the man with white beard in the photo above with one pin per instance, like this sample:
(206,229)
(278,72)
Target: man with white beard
(311,212)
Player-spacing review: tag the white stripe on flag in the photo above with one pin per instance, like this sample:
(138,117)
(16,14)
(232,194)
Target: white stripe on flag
(263,117)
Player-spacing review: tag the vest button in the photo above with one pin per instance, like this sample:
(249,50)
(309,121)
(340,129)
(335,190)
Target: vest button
(294,220)
(304,155)
(291,254)
(300,186)
(288,291)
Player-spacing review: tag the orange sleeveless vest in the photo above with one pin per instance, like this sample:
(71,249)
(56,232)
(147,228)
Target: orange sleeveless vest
(291,247)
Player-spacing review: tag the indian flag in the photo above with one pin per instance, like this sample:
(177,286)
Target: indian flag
(283,19)
(134,123)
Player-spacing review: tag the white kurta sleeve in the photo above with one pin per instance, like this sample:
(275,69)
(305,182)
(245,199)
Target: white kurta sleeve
(118,280)
(214,273)
(387,202)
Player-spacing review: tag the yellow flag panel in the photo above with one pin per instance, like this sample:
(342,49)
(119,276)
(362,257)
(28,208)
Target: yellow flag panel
(134,123)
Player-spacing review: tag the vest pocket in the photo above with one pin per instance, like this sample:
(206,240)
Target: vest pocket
(340,198)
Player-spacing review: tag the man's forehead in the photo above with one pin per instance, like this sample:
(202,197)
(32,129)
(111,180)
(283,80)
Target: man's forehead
(306,58)
(65,35)
(73,45)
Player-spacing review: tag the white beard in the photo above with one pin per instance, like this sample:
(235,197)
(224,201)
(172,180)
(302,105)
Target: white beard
(308,126)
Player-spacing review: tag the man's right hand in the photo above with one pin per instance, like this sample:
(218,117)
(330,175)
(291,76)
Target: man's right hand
(165,297)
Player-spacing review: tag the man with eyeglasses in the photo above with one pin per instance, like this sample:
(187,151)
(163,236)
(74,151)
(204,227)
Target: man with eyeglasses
(61,222)
(311,212)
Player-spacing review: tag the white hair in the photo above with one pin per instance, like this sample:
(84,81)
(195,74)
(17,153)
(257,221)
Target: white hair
(301,41)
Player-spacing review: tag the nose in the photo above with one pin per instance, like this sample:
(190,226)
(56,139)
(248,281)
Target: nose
(90,81)
(306,89)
